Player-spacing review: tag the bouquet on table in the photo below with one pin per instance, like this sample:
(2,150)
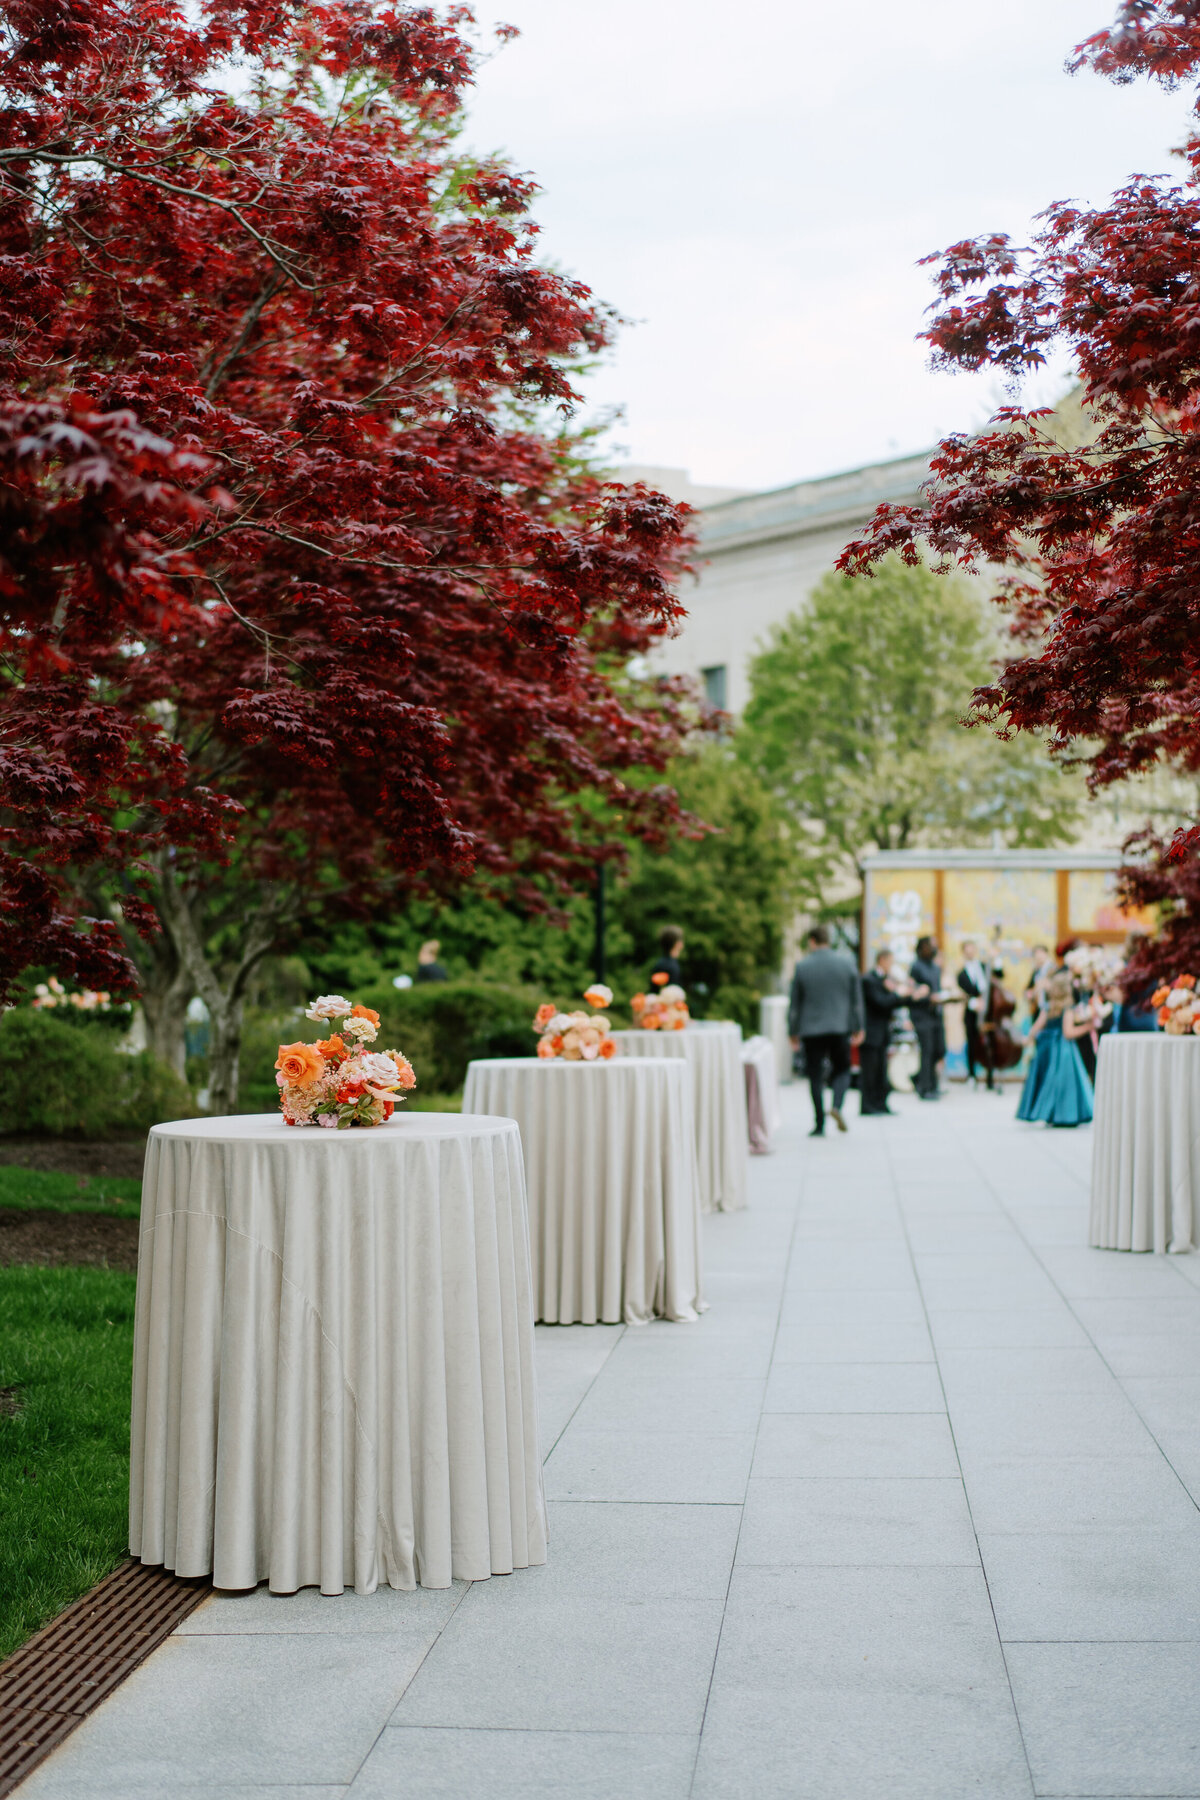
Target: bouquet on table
(1093,965)
(341,1081)
(667,1010)
(576,1036)
(1178,1006)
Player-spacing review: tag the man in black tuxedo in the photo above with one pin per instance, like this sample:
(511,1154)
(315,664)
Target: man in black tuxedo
(882,997)
(975,981)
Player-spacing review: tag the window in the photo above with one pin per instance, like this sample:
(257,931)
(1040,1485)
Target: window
(714,686)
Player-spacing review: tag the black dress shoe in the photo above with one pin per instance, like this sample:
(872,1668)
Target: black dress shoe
(817,1131)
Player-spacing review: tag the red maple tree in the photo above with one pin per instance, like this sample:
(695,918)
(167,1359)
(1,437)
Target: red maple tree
(304,595)
(1099,541)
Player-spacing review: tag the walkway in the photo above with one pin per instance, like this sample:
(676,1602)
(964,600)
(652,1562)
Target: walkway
(909,1515)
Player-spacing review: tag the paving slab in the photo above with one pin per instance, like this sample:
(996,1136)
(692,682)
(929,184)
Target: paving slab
(909,1514)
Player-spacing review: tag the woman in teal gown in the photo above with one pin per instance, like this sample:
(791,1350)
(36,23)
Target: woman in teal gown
(1057,1090)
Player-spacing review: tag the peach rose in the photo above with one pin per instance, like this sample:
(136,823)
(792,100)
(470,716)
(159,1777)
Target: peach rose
(301,1064)
(546,1048)
(598,995)
(331,1046)
(543,1015)
(364,1012)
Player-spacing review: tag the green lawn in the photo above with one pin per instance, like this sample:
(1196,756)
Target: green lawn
(66,1343)
(46,1189)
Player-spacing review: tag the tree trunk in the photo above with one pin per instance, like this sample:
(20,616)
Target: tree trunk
(224,1053)
(165,1005)
(181,913)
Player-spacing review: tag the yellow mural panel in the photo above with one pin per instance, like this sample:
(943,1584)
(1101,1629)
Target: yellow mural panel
(900,906)
(1007,912)
(1093,904)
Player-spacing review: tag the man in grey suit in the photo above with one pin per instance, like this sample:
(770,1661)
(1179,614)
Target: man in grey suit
(826,1016)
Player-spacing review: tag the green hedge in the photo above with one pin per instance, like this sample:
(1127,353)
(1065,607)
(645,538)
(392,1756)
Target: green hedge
(450,1023)
(69,1081)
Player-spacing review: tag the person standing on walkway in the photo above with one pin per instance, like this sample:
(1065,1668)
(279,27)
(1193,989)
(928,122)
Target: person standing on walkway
(926,1015)
(826,1016)
(883,996)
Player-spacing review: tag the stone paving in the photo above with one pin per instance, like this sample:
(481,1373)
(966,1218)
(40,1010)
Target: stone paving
(909,1515)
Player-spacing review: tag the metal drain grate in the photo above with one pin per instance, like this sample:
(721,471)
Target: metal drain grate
(50,1684)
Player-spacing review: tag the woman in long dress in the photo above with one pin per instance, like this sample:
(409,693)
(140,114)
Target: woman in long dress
(1057,1090)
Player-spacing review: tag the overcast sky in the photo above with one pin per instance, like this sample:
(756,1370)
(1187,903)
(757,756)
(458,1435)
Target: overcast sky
(752,184)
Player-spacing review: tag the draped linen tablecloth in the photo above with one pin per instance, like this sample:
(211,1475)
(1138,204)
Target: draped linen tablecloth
(333,1377)
(714,1054)
(614,1216)
(762,1093)
(1146,1143)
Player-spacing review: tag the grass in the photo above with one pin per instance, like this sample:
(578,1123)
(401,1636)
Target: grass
(47,1190)
(66,1347)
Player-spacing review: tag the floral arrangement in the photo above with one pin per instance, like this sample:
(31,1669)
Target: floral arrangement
(341,1081)
(576,1036)
(1178,1006)
(1093,965)
(665,1011)
(49,994)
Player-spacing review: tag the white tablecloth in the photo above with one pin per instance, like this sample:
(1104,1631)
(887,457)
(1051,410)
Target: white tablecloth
(333,1374)
(1146,1143)
(613,1206)
(719,1096)
(773,1025)
(762,1093)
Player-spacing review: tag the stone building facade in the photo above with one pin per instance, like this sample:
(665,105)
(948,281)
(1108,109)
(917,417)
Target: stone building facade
(760,556)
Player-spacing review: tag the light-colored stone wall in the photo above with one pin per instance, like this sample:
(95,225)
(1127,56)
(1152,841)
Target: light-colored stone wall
(760,557)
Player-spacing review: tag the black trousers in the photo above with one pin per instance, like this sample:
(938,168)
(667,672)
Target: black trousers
(872,1068)
(832,1047)
(978,1053)
(929,1038)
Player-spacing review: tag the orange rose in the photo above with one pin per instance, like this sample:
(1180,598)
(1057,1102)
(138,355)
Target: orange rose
(661,979)
(546,1048)
(364,1012)
(637,1003)
(301,1064)
(331,1047)
(1187,981)
(543,1015)
(608,1048)
(1159,995)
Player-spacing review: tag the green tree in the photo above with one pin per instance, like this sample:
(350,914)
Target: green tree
(730,890)
(855,724)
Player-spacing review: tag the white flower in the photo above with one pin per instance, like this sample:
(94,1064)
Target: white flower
(671,995)
(329,1006)
(378,1069)
(1179,997)
(559,1022)
(598,994)
(360,1028)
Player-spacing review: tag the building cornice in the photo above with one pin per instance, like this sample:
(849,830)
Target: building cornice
(827,503)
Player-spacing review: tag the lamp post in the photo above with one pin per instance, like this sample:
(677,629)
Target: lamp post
(598,955)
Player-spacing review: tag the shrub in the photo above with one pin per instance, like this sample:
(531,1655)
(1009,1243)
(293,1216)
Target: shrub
(69,1081)
(464,1019)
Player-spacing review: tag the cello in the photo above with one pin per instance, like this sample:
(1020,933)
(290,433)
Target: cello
(1003,1049)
